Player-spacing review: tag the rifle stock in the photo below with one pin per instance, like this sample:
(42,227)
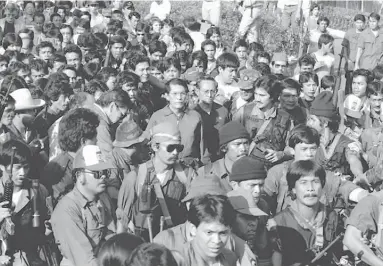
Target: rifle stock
(324,251)
(338,79)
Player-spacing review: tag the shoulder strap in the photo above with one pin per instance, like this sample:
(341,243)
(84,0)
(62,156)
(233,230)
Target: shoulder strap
(141,177)
(180,173)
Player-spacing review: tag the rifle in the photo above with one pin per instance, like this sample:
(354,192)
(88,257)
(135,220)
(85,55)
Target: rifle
(338,80)
(8,227)
(324,251)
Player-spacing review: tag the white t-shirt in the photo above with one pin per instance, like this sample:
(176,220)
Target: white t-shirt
(16,197)
(160,10)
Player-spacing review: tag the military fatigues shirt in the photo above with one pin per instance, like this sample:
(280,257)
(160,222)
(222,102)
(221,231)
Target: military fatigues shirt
(80,226)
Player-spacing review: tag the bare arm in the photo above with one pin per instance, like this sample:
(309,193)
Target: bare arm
(357,59)
(353,240)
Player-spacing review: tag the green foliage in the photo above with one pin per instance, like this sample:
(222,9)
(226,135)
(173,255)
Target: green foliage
(273,37)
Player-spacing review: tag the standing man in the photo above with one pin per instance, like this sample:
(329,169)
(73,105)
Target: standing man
(250,22)
(365,223)
(85,216)
(213,115)
(306,222)
(291,14)
(162,177)
(337,153)
(211,218)
(370,44)
(111,107)
(188,121)
(211,11)
(350,43)
(234,143)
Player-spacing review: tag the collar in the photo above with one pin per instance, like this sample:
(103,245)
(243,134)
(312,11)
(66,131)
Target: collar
(84,202)
(269,114)
(222,170)
(318,221)
(98,107)
(168,111)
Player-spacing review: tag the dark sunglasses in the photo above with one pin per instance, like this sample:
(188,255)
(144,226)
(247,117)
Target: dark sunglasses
(94,5)
(172,147)
(99,174)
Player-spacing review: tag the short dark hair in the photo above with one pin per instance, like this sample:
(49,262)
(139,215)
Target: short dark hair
(327,82)
(303,168)
(11,39)
(134,14)
(320,19)
(314,5)
(263,68)
(212,30)
(240,43)
(374,15)
(118,249)
(360,17)
(208,208)
(75,126)
(176,81)
(53,92)
(72,48)
(271,85)
(306,76)
(151,254)
(38,15)
(257,47)
(303,134)
(44,44)
(157,46)
(227,60)
(90,55)
(290,83)
(120,97)
(95,85)
(201,57)
(64,26)
(325,39)
(208,42)
(367,74)
(38,65)
(22,153)
(375,88)
(378,72)
(117,39)
(165,63)
(169,22)
(105,73)
(137,59)
(58,58)
(127,78)
(306,59)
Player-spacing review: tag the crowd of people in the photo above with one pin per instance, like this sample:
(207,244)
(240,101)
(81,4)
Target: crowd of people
(133,139)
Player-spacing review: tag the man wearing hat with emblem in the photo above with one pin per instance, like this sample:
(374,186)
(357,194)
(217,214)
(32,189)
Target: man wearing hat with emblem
(353,124)
(213,115)
(177,236)
(84,217)
(279,63)
(156,188)
(234,143)
(337,152)
(246,94)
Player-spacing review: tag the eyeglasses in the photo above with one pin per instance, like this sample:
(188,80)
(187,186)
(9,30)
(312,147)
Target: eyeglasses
(140,34)
(172,147)
(94,5)
(99,174)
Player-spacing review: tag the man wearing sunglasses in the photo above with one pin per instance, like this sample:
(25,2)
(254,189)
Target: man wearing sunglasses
(85,216)
(156,188)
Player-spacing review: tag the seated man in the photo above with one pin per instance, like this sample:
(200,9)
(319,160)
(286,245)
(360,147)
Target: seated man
(85,216)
